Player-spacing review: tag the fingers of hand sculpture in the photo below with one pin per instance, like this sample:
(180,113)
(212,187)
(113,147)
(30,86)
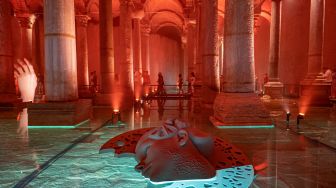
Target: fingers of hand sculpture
(29,66)
(26,78)
(18,67)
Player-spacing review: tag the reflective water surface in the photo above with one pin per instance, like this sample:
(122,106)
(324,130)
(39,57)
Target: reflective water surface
(70,158)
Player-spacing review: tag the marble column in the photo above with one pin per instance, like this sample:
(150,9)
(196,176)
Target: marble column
(209,47)
(239,47)
(26,22)
(126,64)
(316,33)
(198,65)
(314,89)
(82,53)
(145,32)
(191,46)
(107,64)
(274,87)
(7,91)
(137,46)
(60,50)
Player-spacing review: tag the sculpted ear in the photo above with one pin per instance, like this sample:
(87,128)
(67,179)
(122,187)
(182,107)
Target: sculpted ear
(183,137)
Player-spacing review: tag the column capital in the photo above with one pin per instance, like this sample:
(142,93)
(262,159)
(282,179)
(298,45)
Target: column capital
(125,2)
(145,29)
(82,20)
(25,20)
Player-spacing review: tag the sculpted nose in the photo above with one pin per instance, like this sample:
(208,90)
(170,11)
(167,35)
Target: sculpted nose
(140,166)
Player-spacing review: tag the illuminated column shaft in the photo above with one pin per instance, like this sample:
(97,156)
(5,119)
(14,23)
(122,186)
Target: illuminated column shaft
(198,41)
(145,48)
(274,42)
(107,65)
(239,46)
(26,22)
(191,47)
(82,50)
(316,32)
(60,50)
(209,38)
(6,50)
(137,46)
(126,64)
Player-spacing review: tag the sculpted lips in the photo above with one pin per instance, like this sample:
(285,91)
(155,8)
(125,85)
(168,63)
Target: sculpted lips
(143,168)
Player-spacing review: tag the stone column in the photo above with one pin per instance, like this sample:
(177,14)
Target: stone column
(316,33)
(107,65)
(145,31)
(191,35)
(239,47)
(198,64)
(82,53)
(274,87)
(137,46)
(60,50)
(7,91)
(26,22)
(126,64)
(314,88)
(209,47)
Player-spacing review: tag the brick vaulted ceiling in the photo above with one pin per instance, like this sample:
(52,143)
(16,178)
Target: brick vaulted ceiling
(159,13)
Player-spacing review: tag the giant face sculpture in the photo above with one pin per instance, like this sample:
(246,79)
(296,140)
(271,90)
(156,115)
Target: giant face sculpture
(176,152)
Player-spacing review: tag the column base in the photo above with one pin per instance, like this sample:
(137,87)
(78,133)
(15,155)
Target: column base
(8,100)
(59,113)
(240,110)
(85,94)
(315,92)
(116,100)
(274,89)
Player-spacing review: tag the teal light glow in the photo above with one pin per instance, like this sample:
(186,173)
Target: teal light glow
(57,126)
(247,127)
(241,176)
(118,124)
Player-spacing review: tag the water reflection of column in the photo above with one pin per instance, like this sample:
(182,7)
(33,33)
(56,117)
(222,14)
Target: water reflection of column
(60,50)
(239,47)
(6,54)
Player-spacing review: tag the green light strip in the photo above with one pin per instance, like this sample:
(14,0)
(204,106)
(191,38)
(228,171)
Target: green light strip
(57,126)
(246,127)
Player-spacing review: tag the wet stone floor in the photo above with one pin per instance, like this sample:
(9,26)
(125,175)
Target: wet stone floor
(283,156)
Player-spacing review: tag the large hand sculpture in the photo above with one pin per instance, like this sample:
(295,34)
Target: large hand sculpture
(26,79)
(176,152)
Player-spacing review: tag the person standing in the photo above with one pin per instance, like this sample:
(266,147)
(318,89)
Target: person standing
(93,82)
(333,84)
(180,84)
(191,84)
(160,89)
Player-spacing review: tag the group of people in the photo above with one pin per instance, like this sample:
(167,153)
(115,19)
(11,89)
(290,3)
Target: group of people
(191,84)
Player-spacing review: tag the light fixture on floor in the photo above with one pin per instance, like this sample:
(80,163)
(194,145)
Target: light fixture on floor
(115,121)
(299,116)
(288,114)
